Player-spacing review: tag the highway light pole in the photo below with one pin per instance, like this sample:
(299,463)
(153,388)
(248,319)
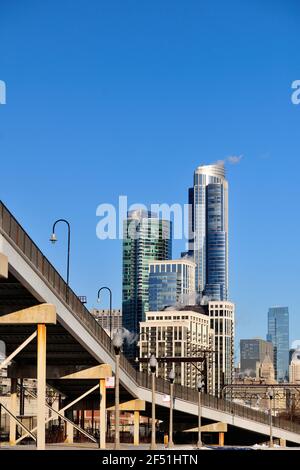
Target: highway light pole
(153,365)
(270,394)
(200,388)
(53,239)
(110,307)
(171,378)
(117,344)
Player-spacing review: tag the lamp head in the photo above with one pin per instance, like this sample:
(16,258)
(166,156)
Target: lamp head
(172,376)
(153,363)
(200,385)
(53,238)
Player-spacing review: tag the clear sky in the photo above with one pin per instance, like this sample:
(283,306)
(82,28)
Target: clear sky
(113,97)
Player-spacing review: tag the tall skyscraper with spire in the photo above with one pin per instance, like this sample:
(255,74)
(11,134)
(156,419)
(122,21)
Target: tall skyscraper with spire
(208,230)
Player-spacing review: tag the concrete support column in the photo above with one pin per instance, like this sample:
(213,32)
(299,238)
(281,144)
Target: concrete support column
(221,438)
(102,417)
(41,385)
(69,429)
(282,442)
(70,434)
(136,428)
(13,409)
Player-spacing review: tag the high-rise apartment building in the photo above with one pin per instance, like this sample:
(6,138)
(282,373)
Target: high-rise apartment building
(278,334)
(252,355)
(181,333)
(187,330)
(208,230)
(145,238)
(171,282)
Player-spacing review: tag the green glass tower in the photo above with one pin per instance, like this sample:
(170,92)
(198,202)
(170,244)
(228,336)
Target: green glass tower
(145,238)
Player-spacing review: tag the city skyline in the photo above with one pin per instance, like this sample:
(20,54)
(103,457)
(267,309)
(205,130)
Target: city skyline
(157,143)
(139,116)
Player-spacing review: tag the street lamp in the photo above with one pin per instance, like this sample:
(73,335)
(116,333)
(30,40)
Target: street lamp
(117,344)
(270,394)
(110,306)
(171,378)
(53,239)
(153,365)
(200,389)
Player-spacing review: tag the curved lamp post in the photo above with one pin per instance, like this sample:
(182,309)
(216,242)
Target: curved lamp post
(117,344)
(153,366)
(171,378)
(110,307)
(53,239)
(200,389)
(270,395)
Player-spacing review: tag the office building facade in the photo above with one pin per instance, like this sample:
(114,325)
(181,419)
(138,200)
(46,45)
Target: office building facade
(171,282)
(208,230)
(145,238)
(278,334)
(252,354)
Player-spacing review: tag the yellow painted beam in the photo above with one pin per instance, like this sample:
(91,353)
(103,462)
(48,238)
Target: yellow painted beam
(3,266)
(97,372)
(38,314)
(131,405)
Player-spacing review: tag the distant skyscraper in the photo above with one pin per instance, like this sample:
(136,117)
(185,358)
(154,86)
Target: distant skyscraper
(253,352)
(278,334)
(208,226)
(171,282)
(145,238)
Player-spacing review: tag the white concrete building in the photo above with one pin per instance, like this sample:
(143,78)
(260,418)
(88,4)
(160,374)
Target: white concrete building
(294,372)
(221,315)
(179,334)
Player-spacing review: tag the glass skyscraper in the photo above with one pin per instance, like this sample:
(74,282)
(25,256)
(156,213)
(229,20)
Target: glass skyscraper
(145,238)
(171,282)
(208,230)
(278,334)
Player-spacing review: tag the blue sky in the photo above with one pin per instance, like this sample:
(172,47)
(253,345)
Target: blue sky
(128,97)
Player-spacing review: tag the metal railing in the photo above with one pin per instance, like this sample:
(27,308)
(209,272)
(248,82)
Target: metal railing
(12,230)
